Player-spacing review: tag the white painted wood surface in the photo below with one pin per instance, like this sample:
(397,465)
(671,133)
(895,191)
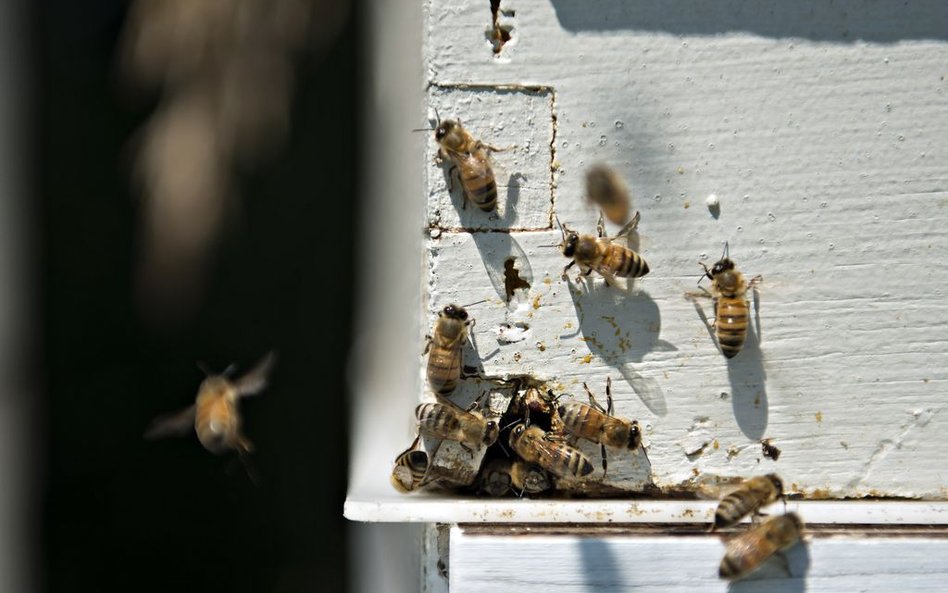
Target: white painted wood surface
(823,130)
(675,563)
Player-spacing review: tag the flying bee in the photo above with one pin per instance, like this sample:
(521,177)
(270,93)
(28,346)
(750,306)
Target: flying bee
(444,361)
(597,424)
(550,453)
(608,191)
(603,254)
(749,497)
(748,551)
(501,476)
(449,422)
(470,160)
(411,467)
(729,291)
(214,415)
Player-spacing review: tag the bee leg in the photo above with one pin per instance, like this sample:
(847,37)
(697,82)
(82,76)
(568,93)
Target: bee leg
(785,563)
(609,408)
(601,226)
(428,341)
(468,449)
(630,226)
(592,399)
(243,444)
(567,267)
(609,278)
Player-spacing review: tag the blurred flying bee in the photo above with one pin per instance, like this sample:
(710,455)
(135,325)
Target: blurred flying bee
(470,160)
(749,497)
(748,551)
(597,424)
(449,422)
(549,452)
(444,361)
(411,467)
(215,416)
(603,254)
(729,291)
(608,191)
(501,476)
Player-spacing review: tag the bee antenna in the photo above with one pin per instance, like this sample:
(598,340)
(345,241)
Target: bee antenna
(475,303)
(507,453)
(706,272)
(727,252)
(437,116)
(517,421)
(204,368)
(422,129)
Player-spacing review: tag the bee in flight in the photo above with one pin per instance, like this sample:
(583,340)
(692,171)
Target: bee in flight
(748,551)
(608,191)
(470,161)
(549,452)
(597,424)
(444,360)
(603,254)
(729,291)
(449,422)
(501,476)
(411,467)
(752,495)
(215,415)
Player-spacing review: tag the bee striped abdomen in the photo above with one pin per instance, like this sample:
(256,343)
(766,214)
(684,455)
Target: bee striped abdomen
(571,462)
(480,186)
(731,567)
(444,369)
(625,262)
(732,507)
(437,420)
(731,325)
(578,419)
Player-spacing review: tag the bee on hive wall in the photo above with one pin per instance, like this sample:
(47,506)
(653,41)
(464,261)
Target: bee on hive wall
(449,422)
(411,467)
(470,160)
(606,189)
(444,349)
(215,415)
(597,424)
(550,453)
(752,495)
(603,254)
(746,552)
(729,291)
(500,476)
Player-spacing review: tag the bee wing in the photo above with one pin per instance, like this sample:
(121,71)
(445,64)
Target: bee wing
(173,424)
(255,380)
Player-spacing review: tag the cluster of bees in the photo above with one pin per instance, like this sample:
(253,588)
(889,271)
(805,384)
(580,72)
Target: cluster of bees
(530,446)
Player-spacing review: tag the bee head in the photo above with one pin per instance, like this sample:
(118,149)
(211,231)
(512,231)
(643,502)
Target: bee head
(723,265)
(777,482)
(455,312)
(569,243)
(444,128)
(635,436)
(491,432)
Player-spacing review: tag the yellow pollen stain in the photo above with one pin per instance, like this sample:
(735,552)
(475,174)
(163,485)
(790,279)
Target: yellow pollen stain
(536,302)
(587,359)
(819,416)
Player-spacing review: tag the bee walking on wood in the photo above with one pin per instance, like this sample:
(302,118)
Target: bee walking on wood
(603,254)
(215,415)
(470,160)
(501,476)
(752,495)
(597,424)
(606,189)
(449,422)
(444,360)
(411,467)
(729,291)
(748,551)
(550,453)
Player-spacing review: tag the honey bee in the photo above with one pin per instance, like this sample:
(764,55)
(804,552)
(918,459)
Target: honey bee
(501,476)
(597,424)
(470,160)
(748,551)
(729,290)
(753,494)
(449,422)
(444,361)
(607,190)
(215,416)
(603,254)
(545,450)
(411,467)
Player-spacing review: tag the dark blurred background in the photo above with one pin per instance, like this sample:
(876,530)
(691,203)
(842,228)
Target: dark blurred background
(123,514)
